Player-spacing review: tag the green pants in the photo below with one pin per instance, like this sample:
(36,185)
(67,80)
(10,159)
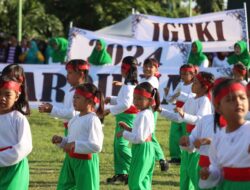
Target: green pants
(142,166)
(79,174)
(189,170)
(177,130)
(233,185)
(122,151)
(15,177)
(159,155)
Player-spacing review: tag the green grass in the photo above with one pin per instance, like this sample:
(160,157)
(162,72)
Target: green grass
(46,159)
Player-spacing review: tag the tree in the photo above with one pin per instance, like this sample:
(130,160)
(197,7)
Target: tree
(205,6)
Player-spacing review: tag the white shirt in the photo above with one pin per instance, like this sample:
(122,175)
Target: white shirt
(153,80)
(86,132)
(67,111)
(124,100)
(143,127)
(228,150)
(15,132)
(185,93)
(194,108)
(219,63)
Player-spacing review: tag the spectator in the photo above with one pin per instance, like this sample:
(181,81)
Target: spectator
(220,60)
(99,55)
(13,51)
(2,50)
(59,49)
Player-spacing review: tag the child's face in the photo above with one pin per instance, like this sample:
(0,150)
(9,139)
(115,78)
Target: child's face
(7,99)
(234,106)
(141,102)
(149,70)
(80,103)
(124,70)
(197,86)
(237,50)
(74,78)
(186,77)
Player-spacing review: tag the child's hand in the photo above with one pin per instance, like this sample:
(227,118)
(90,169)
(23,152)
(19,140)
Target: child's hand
(180,111)
(56,139)
(119,134)
(117,83)
(69,146)
(205,141)
(159,109)
(124,126)
(166,91)
(184,141)
(107,100)
(45,107)
(197,143)
(204,173)
(106,112)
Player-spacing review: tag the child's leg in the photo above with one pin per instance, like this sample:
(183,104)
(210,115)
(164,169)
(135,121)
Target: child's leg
(142,165)
(87,173)
(15,177)
(174,137)
(66,179)
(193,168)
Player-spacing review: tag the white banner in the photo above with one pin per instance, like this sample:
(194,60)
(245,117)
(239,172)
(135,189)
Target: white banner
(171,54)
(218,31)
(48,83)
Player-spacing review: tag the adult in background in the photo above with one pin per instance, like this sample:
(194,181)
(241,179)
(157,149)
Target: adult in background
(220,59)
(196,56)
(99,55)
(240,54)
(13,51)
(59,49)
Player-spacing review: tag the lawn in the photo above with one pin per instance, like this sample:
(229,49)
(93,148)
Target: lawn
(46,159)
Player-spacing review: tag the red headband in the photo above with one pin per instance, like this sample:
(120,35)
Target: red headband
(79,67)
(225,91)
(125,67)
(143,93)
(12,85)
(207,84)
(241,71)
(188,69)
(87,95)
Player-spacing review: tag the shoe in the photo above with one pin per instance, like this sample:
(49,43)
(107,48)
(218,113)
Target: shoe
(175,161)
(164,165)
(119,178)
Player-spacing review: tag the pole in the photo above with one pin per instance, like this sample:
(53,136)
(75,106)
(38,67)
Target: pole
(245,8)
(19,20)
(70,24)
(190,8)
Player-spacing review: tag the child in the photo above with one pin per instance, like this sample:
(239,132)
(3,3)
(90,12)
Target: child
(143,157)
(80,169)
(77,73)
(15,136)
(240,73)
(179,96)
(151,75)
(124,110)
(192,111)
(230,148)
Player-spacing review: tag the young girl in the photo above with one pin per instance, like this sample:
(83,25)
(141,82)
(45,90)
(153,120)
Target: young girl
(151,75)
(80,169)
(230,148)
(124,110)
(77,73)
(240,73)
(193,110)
(179,96)
(143,157)
(15,136)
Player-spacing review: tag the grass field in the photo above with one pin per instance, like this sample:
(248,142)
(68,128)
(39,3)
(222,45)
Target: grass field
(46,159)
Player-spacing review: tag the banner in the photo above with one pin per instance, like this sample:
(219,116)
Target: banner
(218,31)
(171,54)
(48,83)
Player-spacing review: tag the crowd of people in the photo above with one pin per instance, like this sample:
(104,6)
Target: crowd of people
(209,137)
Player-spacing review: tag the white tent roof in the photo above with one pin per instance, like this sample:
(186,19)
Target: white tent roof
(122,28)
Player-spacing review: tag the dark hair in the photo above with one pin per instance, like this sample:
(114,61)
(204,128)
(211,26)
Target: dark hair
(208,78)
(219,85)
(15,73)
(153,91)
(91,88)
(241,67)
(22,104)
(76,66)
(132,73)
